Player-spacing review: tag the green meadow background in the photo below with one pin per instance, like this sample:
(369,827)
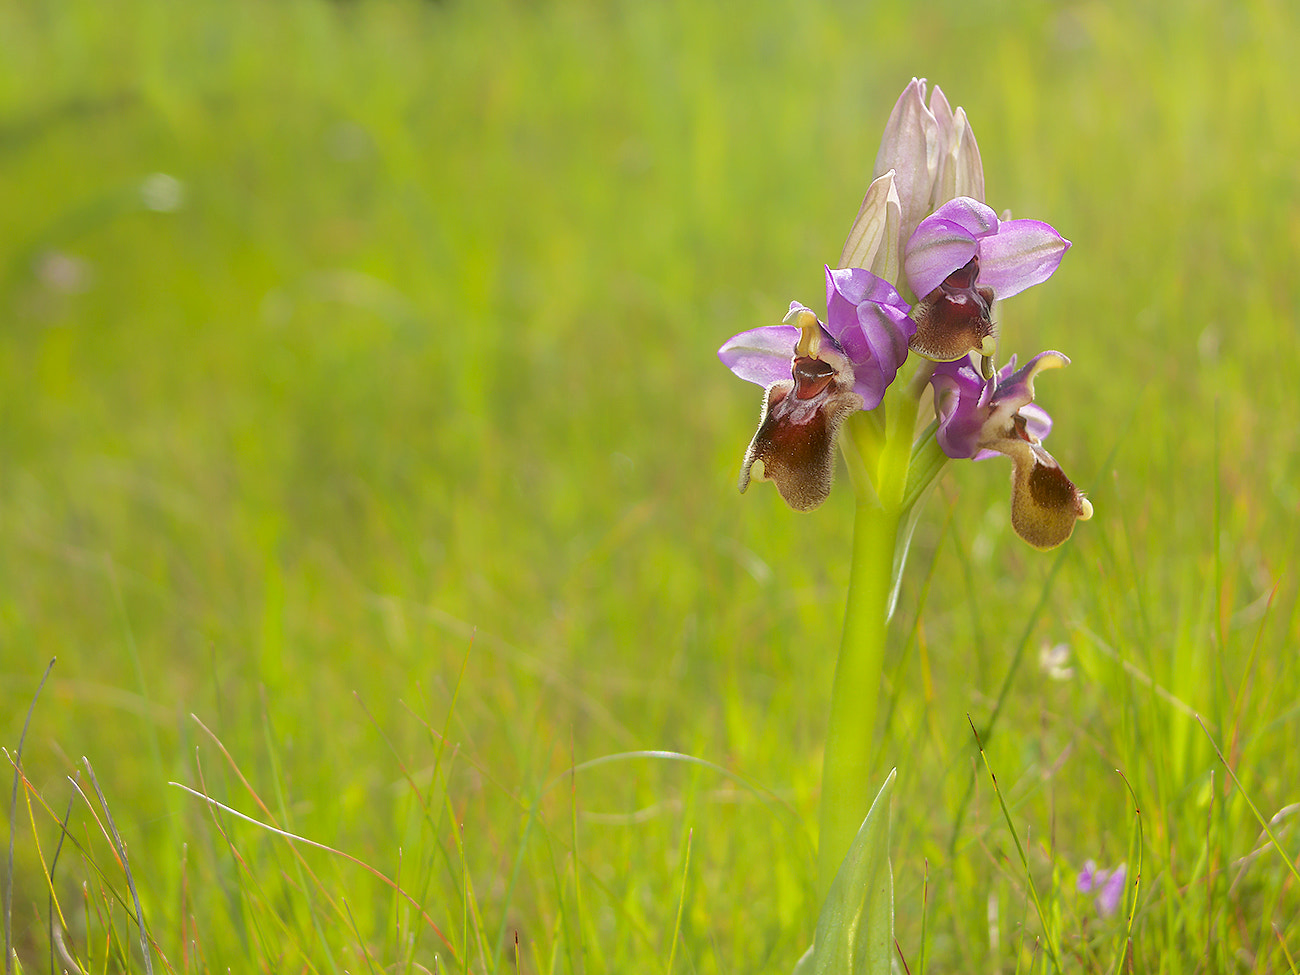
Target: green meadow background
(365,463)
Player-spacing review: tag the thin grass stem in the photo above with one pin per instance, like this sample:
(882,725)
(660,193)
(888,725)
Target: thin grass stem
(1020,851)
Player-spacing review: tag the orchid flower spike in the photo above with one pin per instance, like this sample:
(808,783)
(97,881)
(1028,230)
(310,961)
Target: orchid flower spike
(960,259)
(814,375)
(978,418)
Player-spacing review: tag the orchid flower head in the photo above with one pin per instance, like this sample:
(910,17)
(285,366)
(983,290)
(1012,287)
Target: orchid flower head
(979,417)
(962,258)
(814,375)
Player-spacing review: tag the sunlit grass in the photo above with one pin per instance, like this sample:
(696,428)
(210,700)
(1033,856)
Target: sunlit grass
(397,454)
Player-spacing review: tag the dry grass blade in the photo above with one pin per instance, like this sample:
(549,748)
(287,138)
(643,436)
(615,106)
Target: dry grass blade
(56,934)
(13,805)
(328,849)
(126,867)
(1020,850)
(1264,823)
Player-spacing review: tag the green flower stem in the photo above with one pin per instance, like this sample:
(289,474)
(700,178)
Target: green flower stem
(846,782)
(861,445)
(846,785)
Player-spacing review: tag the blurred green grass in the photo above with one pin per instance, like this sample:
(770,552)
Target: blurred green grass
(419,376)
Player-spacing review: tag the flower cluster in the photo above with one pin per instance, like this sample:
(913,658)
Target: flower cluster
(924,263)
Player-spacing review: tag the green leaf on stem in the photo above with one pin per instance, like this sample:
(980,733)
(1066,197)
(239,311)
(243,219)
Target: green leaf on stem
(855,931)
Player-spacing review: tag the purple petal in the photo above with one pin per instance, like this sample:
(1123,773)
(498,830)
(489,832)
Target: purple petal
(1038,423)
(1108,900)
(761,355)
(869,320)
(960,396)
(936,250)
(945,241)
(1088,877)
(844,292)
(976,218)
(847,288)
(1023,253)
(887,327)
(1017,389)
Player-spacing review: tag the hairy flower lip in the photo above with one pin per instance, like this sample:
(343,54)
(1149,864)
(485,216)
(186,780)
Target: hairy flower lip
(794,446)
(955,318)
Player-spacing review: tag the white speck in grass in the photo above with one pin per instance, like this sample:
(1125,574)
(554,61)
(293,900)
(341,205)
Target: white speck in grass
(1054,661)
(64,273)
(162,193)
(1207,344)
(348,142)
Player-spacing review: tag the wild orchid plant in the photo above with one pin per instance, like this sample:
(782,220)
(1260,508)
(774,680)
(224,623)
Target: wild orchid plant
(924,265)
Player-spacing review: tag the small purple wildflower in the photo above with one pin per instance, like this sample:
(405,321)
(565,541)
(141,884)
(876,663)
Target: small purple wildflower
(1108,885)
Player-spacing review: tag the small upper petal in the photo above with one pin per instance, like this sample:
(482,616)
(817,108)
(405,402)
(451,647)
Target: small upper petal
(945,241)
(1022,253)
(1015,390)
(761,355)
(976,218)
(869,320)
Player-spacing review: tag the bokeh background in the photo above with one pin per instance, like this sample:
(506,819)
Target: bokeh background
(358,398)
